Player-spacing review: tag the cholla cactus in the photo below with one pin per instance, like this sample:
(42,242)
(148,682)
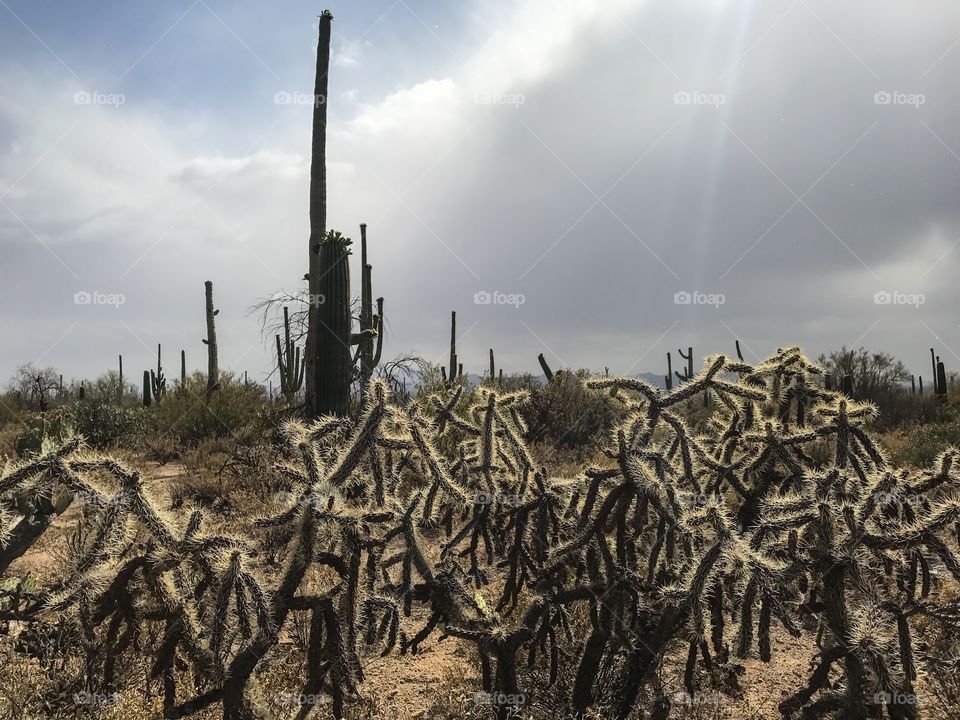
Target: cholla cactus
(705,539)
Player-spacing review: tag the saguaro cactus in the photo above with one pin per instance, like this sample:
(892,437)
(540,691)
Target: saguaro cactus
(183,372)
(120,382)
(454,365)
(370,324)
(319,338)
(158,382)
(213,367)
(941,385)
(669,375)
(146,388)
(332,363)
(688,356)
(546,368)
(933,364)
(288,361)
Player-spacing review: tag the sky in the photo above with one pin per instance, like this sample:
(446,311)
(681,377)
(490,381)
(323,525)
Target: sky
(600,182)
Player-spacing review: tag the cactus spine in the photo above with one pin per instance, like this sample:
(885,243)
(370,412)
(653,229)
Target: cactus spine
(289,362)
(213,367)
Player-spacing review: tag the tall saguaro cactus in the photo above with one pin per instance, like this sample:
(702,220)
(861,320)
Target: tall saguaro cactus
(183,373)
(318,337)
(146,388)
(454,366)
(213,367)
(288,361)
(120,382)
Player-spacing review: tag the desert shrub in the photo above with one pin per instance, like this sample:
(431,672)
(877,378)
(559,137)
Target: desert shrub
(566,414)
(919,446)
(104,424)
(10,409)
(40,431)
(235,410)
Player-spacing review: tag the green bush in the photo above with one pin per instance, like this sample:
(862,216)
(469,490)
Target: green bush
(104,424)
(42,431)
(923,443)
(235,410)
(568,415)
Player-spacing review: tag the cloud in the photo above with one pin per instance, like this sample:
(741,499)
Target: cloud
(595,159)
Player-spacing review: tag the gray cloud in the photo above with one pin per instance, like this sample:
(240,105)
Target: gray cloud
(696,128)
